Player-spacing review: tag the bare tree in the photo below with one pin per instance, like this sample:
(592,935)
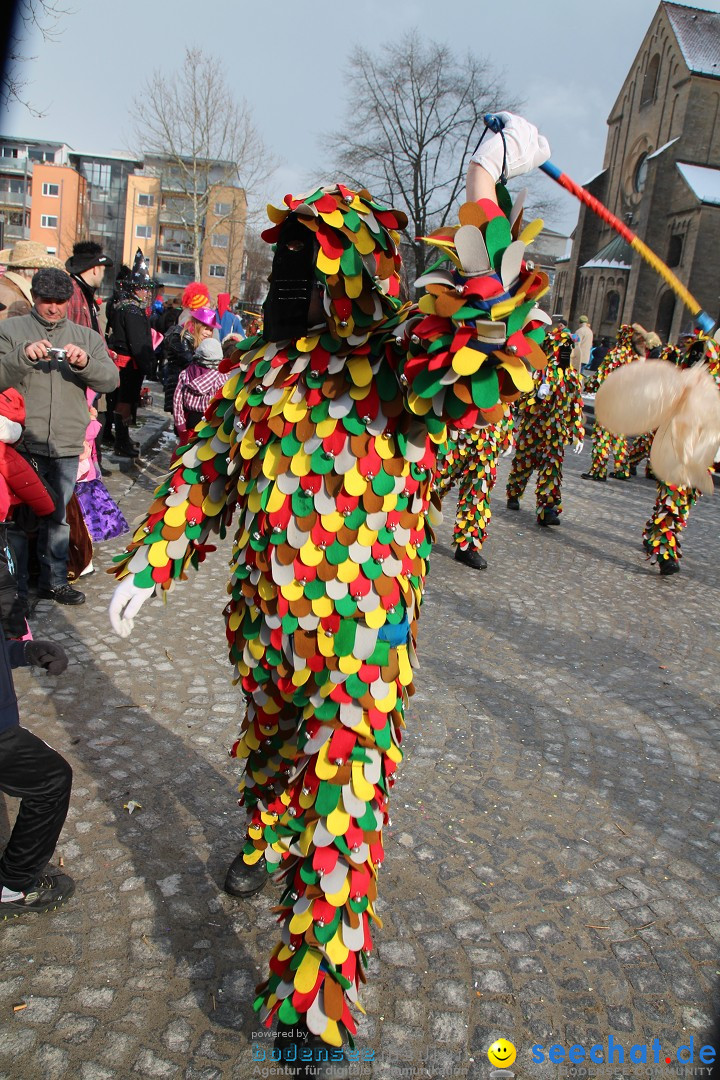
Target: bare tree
(19,20)
(256,269)
(205,137)
(415,115)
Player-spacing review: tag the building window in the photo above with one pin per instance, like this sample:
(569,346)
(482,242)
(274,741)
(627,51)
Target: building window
(675,249)
(612,306)
(640,174)
(216,270)
(97,175)
(17,187)
(143,232)
(51,189)
(48,221)
(174,268)
(220,240)
(9,151)
(41,155)
(145,199)
(222,209)
(650,81)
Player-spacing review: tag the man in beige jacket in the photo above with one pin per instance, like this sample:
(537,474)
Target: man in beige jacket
(22,261)
(581,352)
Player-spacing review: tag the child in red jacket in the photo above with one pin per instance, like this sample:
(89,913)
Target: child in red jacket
(19,485)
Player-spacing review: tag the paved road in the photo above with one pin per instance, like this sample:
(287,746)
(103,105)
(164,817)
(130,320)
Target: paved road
(551,866)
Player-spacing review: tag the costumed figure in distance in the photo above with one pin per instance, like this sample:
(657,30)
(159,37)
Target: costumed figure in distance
(630,346)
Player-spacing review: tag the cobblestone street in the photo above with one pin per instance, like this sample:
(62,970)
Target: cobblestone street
(551,870)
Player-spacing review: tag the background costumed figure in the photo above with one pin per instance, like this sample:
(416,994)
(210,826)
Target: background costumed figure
(469,459)
(683,409)
(604,443)
(324,443)
(550,416)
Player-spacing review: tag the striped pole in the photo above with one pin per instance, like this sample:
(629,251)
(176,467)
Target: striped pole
(704,321)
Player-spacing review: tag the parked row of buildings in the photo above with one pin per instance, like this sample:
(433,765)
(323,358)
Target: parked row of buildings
(55,195)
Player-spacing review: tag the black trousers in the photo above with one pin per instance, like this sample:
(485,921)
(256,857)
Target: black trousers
(32,771)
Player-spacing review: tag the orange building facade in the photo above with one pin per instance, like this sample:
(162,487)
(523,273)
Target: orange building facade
(59,202)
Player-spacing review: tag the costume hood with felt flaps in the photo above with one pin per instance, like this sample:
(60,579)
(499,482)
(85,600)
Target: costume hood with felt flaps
(352,254)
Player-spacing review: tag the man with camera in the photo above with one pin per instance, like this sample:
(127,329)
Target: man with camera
(53,362)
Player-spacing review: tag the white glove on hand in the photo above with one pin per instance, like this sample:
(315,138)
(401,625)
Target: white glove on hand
(125,604)
(578,447)
(525,148)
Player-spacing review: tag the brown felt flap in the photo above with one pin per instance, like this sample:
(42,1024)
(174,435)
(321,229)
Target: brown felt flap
(346,536)
(305,428)
(285,554)
(472,214)
(366,302)
(277,425)
(332,388)
(384,585)
(334,484)
(447,305)
(173,532)
(359,443)
(333,999)
(262,561)
(386,265)
(394,466)
(258,412)
(463,392)
(372,502)
(307,523)
(301,607)
(305,643)
(326,571)
(391,670)
(197,494)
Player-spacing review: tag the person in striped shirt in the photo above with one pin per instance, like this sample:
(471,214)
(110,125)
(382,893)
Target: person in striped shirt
(197,386)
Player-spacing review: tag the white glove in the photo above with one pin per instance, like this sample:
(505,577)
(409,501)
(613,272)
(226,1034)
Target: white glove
(125,604)
(525,148)
(578,447)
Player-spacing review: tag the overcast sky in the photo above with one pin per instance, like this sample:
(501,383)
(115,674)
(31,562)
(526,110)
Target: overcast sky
(566,58)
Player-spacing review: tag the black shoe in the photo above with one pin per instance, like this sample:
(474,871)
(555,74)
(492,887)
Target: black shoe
(46,894)
(619,476)
(550,517)
(591,476)
(470,557)
(243,880)
(513,504)
(633,470)
(62,594)
(668,566)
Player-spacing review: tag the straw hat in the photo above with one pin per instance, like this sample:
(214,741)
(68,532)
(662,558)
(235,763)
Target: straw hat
(29,255)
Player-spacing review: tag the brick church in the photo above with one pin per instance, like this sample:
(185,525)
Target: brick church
(661,174)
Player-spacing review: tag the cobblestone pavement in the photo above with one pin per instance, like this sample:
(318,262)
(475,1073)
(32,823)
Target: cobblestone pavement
(550,872)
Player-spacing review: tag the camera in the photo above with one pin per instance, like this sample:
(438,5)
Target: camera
(57,354)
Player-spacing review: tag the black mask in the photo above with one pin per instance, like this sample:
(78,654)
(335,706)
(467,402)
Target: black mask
(291,281)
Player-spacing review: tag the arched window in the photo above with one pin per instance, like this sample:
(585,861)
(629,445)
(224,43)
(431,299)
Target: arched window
(640,174)
(650,81)
(665,313)
(675,248)
(612,306)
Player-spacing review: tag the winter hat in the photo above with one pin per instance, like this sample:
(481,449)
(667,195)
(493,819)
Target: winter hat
(86,254)
(52,285)
(583,319)
(196,295)
(205,315)
(209,353)
(29,255)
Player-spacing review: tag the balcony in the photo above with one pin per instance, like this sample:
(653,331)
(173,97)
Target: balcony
(15,198)
(177,280)
(16,166)
(174,249)
(13,233)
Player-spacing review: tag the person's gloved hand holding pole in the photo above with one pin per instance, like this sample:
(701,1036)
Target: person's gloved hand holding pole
(520,147)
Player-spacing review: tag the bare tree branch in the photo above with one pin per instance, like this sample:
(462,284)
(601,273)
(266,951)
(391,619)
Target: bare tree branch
(45,16)
(415,113)
(191,119)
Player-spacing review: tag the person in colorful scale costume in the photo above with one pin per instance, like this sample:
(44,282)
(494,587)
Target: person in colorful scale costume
(629,346)
(669,517)
(469,459)
(548,418)
(323,442)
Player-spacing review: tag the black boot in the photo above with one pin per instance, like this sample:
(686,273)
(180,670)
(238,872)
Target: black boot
(243,880)
(668,566)
(549,517)
(513,503)
(108,437)
(470,557)
(124,446)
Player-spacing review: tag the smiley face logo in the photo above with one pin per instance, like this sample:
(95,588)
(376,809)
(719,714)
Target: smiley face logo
(501,1054)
